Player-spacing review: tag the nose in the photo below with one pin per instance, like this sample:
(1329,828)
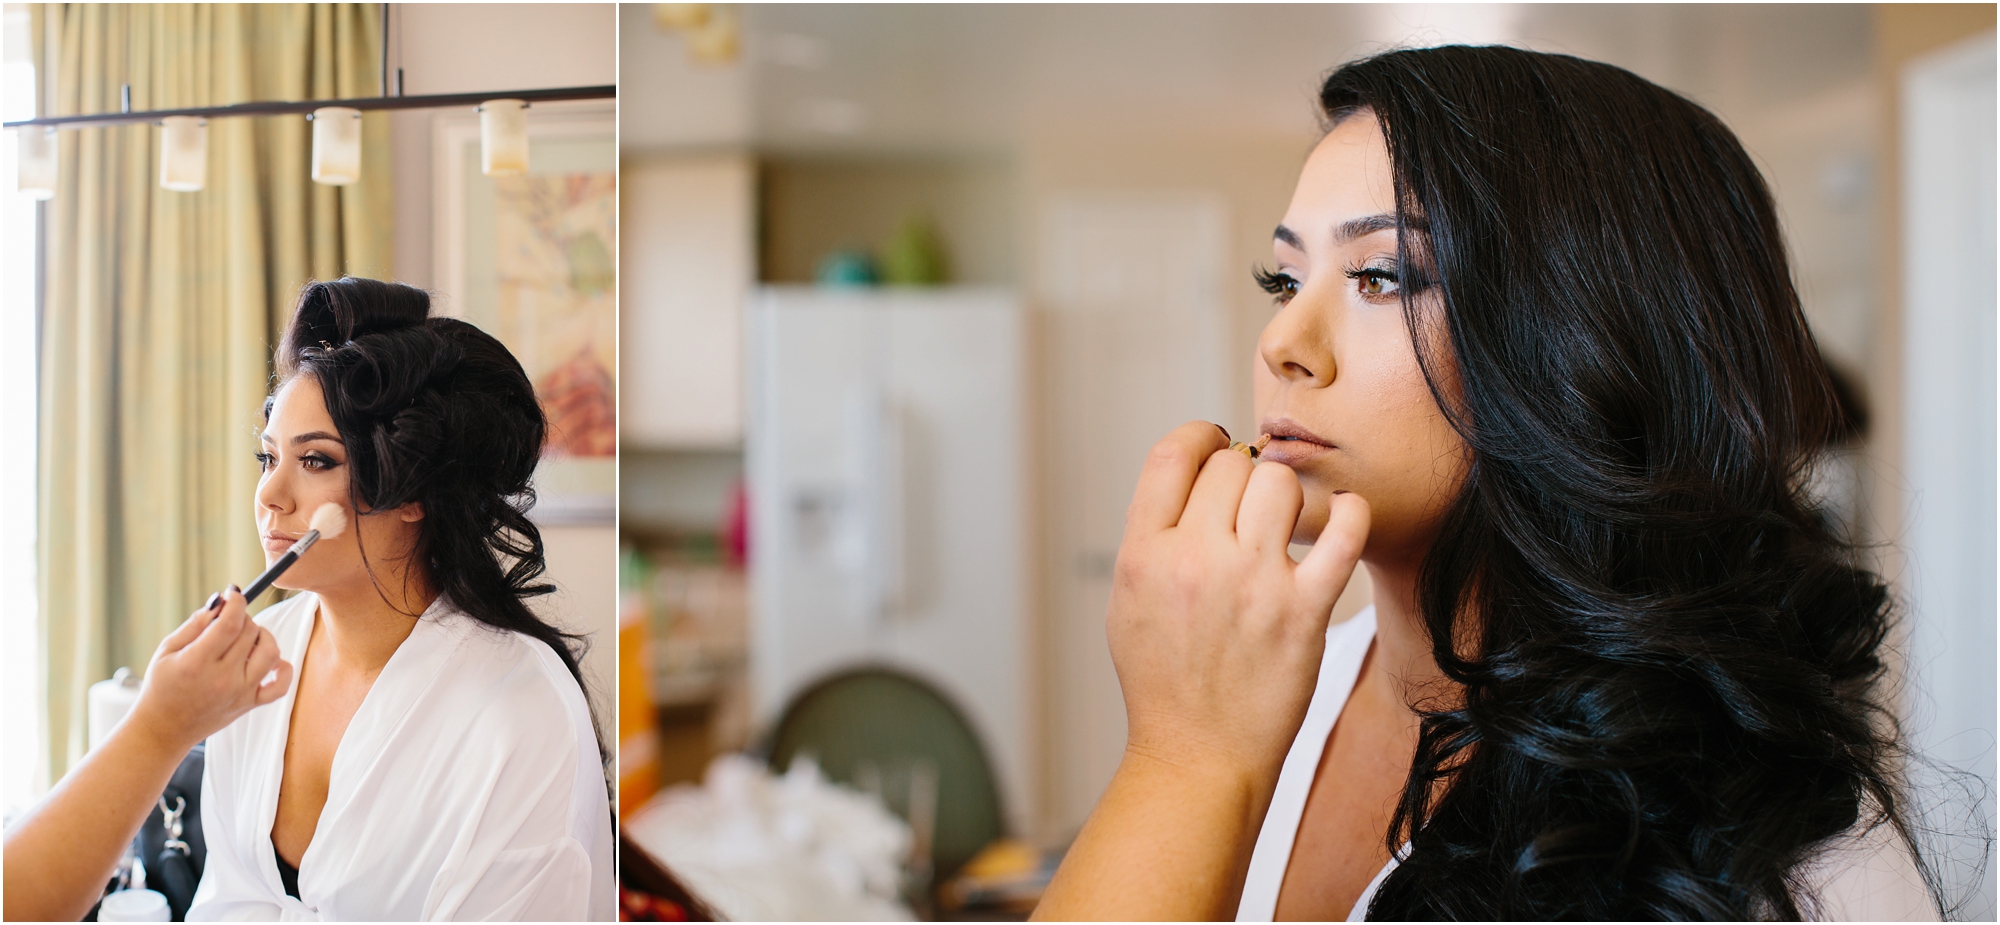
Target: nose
(1297,346)
(274,494)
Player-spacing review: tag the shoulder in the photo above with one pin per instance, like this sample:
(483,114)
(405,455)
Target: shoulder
(522,688)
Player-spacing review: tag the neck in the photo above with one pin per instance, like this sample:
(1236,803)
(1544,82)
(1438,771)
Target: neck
(1402,659)
(361,629)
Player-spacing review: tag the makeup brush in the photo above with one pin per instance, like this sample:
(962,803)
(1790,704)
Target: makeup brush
(1252,450)
(327,522)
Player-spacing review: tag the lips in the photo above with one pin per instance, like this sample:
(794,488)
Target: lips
(1291,443)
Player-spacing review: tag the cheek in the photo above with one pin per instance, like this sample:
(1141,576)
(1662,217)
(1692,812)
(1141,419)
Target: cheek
(1263,385)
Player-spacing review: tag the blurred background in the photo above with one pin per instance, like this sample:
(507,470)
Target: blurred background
(908,290)
(138,320)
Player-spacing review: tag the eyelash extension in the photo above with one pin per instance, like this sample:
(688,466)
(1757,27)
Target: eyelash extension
(1277,284)
(264,460)
(1371,273)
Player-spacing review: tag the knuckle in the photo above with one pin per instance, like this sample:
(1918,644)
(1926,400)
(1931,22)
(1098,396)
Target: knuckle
(1168,452)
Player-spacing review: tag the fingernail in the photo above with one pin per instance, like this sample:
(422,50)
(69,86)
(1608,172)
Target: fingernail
(1225,431)
(237,590)
(214,601)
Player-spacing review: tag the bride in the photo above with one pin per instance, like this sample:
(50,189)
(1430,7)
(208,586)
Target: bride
(436,758)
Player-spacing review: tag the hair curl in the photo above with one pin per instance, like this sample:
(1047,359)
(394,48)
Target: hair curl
(1670,666)
(436,412)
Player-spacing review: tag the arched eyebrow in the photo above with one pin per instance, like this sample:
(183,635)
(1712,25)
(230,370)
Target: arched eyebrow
(1342,233)
(303,438)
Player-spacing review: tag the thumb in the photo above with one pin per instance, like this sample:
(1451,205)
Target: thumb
(276,687)
(1326,569)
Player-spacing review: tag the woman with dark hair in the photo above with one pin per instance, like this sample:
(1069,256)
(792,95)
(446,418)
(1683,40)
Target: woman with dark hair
(1540,367)
(436,758)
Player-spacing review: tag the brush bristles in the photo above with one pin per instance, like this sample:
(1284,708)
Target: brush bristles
(329,520)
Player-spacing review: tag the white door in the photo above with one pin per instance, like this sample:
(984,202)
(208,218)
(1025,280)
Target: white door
(1135,341)
(1948,450)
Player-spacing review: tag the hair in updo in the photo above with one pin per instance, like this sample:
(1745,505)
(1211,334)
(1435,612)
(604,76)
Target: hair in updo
(433,411)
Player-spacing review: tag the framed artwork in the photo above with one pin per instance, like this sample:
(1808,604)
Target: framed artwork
(532,260)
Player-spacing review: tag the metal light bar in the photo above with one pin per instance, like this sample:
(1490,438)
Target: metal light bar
(300,107)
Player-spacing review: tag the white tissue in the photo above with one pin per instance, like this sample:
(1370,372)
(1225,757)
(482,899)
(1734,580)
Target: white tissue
(761,848)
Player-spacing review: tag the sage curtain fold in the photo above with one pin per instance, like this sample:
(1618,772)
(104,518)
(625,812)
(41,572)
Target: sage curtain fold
(161,309)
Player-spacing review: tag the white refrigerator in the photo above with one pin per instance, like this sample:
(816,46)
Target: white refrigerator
(888,522)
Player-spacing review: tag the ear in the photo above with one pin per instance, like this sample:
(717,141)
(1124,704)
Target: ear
(410,513)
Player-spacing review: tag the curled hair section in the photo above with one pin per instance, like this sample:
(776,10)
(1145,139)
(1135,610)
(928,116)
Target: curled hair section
(1671,668)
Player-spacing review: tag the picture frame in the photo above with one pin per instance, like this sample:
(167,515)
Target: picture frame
(572,157)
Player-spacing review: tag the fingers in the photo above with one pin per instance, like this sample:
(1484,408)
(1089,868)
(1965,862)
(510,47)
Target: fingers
(225,629)
(1270,509)
(246,641)
(1169,475)
(276,687)
(1218,492)
(263,654)
(188,631)
(1326,569)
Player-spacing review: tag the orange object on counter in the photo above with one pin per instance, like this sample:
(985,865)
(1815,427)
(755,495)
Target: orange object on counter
(638,731)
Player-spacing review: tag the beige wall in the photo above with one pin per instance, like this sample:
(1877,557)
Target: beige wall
(466,47)
(457,48)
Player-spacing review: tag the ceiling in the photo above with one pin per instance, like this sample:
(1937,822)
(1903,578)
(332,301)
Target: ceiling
(922,77)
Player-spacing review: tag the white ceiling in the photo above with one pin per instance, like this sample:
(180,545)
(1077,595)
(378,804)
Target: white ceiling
(914,77)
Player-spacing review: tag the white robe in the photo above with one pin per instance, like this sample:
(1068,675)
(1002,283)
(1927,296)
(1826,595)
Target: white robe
(467,787)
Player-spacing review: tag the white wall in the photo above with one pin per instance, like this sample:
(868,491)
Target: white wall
(466,47)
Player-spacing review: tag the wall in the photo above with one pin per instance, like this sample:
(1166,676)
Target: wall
(465,47)
(458,48)
(1933,487)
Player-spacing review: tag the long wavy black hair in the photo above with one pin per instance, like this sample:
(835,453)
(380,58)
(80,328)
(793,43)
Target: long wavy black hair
(434,411)
(1671,667)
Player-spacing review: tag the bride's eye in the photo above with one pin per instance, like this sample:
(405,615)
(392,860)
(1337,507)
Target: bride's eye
(1375,282)
(1282,285)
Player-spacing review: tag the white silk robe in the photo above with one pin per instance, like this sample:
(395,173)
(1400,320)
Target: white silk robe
(467,787)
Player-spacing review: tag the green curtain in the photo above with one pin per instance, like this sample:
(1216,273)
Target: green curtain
(161,308)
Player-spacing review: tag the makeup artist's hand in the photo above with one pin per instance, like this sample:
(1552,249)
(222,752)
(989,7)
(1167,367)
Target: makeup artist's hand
(204,675)
(209,672)
(1217,637)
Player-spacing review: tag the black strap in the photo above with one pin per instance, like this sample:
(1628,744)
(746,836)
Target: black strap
(288,874)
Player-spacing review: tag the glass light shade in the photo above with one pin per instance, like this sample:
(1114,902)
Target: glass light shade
(670,16)
(718,42)
(503,138)
(36,168)
(336,145)
(183,153)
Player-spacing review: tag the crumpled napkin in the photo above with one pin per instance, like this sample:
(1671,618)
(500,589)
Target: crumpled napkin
(758,847)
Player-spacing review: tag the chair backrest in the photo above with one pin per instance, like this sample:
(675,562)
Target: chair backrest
(872,728)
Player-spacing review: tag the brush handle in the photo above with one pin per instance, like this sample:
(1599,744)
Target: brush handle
(271,574)
(278,568)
